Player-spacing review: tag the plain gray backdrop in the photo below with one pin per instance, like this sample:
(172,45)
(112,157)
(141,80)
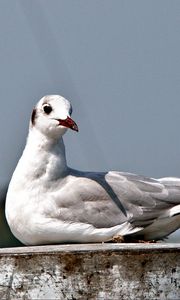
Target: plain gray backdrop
(119,64)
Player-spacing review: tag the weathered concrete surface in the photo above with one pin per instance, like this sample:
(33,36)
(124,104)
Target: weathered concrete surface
(96,271)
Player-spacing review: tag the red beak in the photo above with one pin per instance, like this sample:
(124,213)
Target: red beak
(69,123)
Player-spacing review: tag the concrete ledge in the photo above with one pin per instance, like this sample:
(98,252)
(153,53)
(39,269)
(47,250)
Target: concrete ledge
(91,271)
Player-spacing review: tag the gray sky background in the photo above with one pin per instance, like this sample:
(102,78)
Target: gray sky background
(119,64)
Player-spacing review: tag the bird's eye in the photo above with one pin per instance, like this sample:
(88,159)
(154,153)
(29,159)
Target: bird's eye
(47,109)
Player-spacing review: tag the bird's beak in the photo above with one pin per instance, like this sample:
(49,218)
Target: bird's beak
(69,123)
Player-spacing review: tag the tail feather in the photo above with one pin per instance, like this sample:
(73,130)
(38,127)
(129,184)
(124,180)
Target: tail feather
(174,211)
(172,181)
(159,229)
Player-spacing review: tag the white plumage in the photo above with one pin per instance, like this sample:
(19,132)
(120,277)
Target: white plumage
(48,202)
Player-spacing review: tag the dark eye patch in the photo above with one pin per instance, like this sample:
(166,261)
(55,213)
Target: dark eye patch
(47,109)
(70,111)
(33,116)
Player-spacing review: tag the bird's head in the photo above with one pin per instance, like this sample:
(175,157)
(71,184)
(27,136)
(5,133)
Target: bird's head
(52,116)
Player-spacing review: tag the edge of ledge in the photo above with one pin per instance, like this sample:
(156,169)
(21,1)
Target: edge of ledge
(84,248)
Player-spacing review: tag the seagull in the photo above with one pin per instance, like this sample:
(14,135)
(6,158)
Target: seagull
(50,203)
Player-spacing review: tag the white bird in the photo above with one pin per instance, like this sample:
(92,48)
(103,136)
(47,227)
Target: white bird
(48,202)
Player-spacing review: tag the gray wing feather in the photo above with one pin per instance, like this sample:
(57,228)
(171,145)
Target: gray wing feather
(156,198)
(109,199)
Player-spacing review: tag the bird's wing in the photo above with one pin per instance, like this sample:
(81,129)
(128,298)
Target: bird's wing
(109,199)
(146,198)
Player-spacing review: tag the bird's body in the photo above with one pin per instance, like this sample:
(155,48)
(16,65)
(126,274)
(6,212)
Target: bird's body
(48,202)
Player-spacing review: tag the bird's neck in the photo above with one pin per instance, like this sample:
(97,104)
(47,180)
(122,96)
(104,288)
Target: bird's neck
(43,158)
(41,142)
